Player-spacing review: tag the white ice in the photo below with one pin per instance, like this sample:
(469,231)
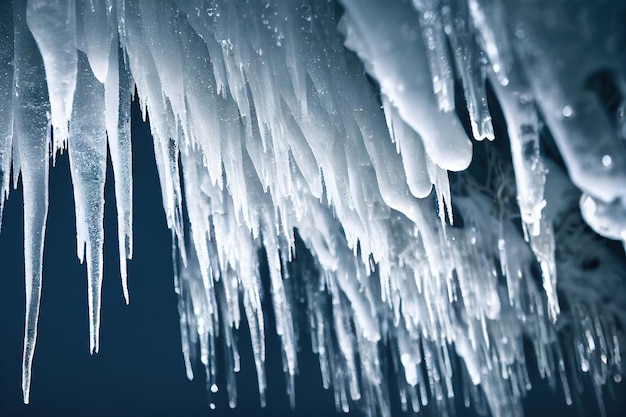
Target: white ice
(328,138)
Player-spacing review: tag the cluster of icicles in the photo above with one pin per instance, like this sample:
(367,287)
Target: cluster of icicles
(262,113)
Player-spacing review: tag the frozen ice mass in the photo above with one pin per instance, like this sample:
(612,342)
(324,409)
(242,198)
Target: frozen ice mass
(342,144)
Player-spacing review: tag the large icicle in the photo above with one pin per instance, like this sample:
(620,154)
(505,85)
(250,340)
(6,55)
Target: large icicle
(88,156)
(98,21)
(530,178)
(32,136)
(53,24)
(401,68)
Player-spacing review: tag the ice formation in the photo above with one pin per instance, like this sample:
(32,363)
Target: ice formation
(332,133)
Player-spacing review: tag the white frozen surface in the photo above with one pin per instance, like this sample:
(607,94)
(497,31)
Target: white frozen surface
(270,139)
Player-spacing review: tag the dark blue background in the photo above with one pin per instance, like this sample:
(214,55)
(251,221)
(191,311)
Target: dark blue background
(139,370)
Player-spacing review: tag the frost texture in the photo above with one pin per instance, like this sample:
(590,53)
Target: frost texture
(268,130)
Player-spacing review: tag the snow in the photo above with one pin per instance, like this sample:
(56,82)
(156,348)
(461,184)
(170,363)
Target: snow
(326,142)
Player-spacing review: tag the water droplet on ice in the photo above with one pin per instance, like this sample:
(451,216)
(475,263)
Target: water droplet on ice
(567,111)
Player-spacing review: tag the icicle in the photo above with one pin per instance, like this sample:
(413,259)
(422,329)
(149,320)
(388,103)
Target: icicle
(488,19)
(117,90)
(469,59)
(530,178)
(87,149)
(53,24)
(100,39)
(32,132)
(404,77)
(6,103)
(411,148)
(431,24)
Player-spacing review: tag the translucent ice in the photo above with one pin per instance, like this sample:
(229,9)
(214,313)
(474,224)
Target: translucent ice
(6,96)
(317,138)
(53,25)
(31,129)
(88,155)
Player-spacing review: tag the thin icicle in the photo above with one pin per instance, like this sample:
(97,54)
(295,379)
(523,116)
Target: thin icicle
(6,102)
(470,65)
(530,177)
(117,90)
(431,23)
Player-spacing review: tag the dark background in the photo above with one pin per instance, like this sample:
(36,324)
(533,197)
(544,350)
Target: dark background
(139,370)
